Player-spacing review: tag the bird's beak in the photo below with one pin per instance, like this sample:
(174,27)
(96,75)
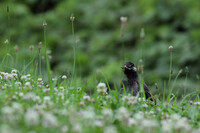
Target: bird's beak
(124,67)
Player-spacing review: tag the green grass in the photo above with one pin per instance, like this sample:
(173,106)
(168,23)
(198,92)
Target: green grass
(30,103)
(27,105)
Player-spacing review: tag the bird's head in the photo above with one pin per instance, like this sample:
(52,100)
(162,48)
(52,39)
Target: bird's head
(129,69)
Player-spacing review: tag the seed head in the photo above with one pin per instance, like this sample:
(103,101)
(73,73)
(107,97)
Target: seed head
(39,46)
(123,24)
(72,17)
(140,66)
(16,48)
(170,48)
(123,19)
(142,33)
(44,24)
(31,47)
(6,41)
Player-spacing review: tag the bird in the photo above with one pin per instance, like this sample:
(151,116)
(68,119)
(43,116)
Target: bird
(131,84)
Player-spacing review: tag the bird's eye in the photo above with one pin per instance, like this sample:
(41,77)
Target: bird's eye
(130,66)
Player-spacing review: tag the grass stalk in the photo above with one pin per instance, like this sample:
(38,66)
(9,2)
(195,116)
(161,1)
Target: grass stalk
(74,51)
(170,67)
(47,58)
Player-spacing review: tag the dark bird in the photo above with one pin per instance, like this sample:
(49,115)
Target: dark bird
(132,83)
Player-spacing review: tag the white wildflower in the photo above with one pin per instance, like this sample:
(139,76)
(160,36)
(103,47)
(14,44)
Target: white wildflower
(49,120)
(77,128)
(64,77)
(64,129)
(31,117)
(14,71)
(86,97)
(101,88)
(110,129)
(29,96)
(131,122)
(98,123)
(6,41)
(123,114)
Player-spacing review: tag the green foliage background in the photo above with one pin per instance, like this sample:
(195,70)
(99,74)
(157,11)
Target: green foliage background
(97,25)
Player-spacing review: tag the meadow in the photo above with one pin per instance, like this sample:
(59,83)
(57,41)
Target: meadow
(72,88)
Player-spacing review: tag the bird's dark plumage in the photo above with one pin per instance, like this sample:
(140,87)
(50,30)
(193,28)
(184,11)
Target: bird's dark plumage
(132,83)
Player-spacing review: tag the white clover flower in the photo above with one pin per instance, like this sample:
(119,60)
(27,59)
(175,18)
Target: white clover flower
(166,126)
(82,104)
(197,103)
(145,105)
(14,71)
(49,120)
(79,89)
(7,110)
(21,94)
(98,123)
(1,77)
(61,94)
(110,129)
(18,83)
(6,41)
(17,107)
(9,76)
(108,97)
(139,116)
(14,75)
(4,128)
(101,88)
(37,99)
(132,122)
(64,77)
(32,117)
(149,124)
(47,99)
(107,113)
(89,114)
(77,128)
(46,90)
(130,100)
(123,114)
(23,77)
(86,97)
(64,129)
(28,86)
(175,117)
(39,79)
(62,88)
(29,96)
(182,124)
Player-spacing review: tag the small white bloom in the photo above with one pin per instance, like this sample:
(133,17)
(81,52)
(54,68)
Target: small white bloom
(31,117)
(123,114)
(14,71)
(64,77)
(21,94)
(101,88)
(131,122)
(6,41)
(64,129)
(77,128)
(123,19)
(49,120)
(110,129)
(87,98)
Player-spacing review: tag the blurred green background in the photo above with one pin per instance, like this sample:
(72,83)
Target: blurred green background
(99,51)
